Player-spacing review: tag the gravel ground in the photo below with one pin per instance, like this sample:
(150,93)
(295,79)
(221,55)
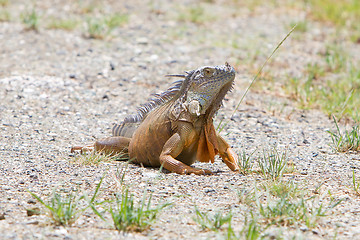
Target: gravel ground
(59,89)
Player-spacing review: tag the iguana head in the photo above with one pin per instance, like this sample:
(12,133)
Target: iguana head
(206,88)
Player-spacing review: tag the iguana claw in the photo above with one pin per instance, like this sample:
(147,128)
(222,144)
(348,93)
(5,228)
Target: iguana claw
(82,149)
(198,171)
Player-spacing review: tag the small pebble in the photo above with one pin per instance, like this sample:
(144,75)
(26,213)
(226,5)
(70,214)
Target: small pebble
(33,211)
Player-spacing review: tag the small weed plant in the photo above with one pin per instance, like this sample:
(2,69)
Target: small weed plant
(4,15)
(96,28)
(250,231)
(195,14)
(245,163)
(356,184)
(278,204)
(31,20)
(344,142)
(282,189)
(4,3)
(336,59)
(65,24)
(116,20)
(99,28)
(246,196)
(65,210)
(286,205)
(214,222)
(285,212)
(301,26)
(273,164)
(127,216)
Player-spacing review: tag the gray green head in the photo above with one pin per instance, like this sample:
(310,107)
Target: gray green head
(207,87)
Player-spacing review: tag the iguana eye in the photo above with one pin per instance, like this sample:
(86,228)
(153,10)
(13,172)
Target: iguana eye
(208,72)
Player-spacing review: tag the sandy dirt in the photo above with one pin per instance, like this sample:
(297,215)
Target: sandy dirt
(59,88)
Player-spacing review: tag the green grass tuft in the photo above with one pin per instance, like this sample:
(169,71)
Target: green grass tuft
(245,163)
(4,15)
(356,184)
(127,216)
(65,24)
(251,230)
(62,210)
(344,142)
(279,204)
(282,189)
(65,210)
(273,164)
(31,20)
(336,59)
(96,28)
(285,212)
(4,3)
(214,222)
(301,26)
(99,28)
(116,20)
(246,197)
(195,14)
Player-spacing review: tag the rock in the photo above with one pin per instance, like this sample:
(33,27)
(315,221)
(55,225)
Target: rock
(33,211)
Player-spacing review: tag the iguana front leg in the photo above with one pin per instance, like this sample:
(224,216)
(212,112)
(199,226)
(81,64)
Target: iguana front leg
(172,148)
(227,154)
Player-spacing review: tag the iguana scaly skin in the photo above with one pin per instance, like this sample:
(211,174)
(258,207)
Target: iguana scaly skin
(175,128)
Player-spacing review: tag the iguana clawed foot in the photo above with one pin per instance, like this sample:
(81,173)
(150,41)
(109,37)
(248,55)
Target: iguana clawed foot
(82,149)
(197,171)
(230,158)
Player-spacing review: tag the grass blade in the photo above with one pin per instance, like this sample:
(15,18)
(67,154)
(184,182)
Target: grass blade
(220,128)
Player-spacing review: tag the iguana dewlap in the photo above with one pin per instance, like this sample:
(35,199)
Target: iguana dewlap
(175,128)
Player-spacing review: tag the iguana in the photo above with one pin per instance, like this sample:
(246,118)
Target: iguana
(175,128)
